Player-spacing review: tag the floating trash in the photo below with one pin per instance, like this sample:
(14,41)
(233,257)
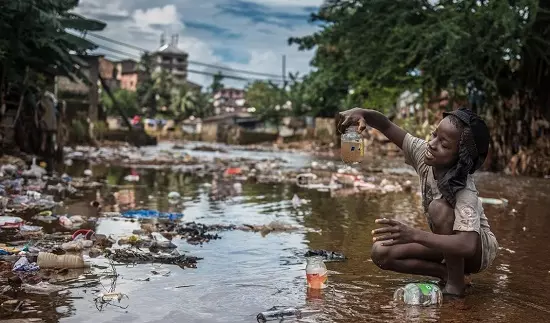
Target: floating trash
(148,214)
(328,256)
(493,201)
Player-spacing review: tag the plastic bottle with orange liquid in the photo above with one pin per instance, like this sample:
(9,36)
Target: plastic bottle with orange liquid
(316,273)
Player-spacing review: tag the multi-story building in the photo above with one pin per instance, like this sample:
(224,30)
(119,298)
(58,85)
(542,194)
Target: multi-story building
(171,59)
(230,100)
(167,58)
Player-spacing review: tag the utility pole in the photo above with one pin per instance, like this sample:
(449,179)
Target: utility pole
(284,68)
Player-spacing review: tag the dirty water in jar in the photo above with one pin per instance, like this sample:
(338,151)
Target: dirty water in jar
(352,148)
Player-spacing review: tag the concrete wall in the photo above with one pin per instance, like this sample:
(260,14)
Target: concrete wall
(325,130)
(244,137)
(209,132)
(129,81)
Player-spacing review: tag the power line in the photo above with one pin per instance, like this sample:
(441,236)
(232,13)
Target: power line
(234,77)
(120,58)
(118,51)
(189,61)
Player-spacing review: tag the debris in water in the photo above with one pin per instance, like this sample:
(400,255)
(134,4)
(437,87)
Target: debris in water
(274,226)
(104,299)
(328,256)
(129,256)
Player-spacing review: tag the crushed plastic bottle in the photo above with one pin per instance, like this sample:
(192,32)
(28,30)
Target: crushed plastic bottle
(279,314)
(423,294)
(161,242)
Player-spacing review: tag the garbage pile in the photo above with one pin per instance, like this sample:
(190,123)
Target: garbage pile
(127,155)
(327,176)
(26,190)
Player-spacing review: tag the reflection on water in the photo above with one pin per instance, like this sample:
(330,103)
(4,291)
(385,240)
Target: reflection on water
(244,273)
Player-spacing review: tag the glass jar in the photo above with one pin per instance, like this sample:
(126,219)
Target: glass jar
(352,149)
(316,273)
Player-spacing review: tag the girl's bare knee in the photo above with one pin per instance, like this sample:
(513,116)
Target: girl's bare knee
(441,216)
(380,255)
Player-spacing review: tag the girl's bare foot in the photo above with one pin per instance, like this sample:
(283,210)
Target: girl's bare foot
(467,281)
(453,291)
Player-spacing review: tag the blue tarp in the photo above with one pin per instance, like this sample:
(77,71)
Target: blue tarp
(148,214)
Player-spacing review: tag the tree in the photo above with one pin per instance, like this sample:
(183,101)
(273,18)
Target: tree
(217,84)
(184,102)
(127,101)
(33,38)
(494,55)
(162,87)
(269,100)
(34,47)
(145,92)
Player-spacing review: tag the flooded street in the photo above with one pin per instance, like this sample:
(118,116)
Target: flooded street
(244,273)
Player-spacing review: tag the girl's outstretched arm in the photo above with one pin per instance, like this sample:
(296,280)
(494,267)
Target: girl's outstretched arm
(375,119)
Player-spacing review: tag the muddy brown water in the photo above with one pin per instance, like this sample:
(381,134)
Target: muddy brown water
(244,273)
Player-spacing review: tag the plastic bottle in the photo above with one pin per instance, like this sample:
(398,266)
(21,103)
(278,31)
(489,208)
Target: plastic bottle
(352,149)
(423,294)
(279,315)
(50,260)
(316,273)
(161,242)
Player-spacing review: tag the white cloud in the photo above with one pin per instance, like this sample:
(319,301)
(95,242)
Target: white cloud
(165,15)
(262,42)
(290,3)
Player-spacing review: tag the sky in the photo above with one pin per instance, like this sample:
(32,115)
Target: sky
(249,35)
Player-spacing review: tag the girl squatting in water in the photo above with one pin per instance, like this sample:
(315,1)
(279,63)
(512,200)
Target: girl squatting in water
(460,241)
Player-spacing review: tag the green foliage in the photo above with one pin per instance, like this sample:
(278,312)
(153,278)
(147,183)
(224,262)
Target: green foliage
(33,35)
(269,100)
(157,90)
(127,101)
(145,89)
(390,45)
(217,84)
(78,131)
(186,103)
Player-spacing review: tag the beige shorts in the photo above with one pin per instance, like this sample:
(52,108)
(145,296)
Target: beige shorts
(489,248)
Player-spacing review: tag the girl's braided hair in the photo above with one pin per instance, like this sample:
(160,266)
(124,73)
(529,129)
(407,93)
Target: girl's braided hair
(455,179)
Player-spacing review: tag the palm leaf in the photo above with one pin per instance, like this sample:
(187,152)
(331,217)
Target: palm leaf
(77,22)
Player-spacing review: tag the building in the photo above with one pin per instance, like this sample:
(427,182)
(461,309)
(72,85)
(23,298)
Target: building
(194,86)
(109,72)
(230,100)
(218,128)
(171,59)
(128,74)
(168,57)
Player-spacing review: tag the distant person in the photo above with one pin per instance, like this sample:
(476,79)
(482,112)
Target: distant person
(461,241)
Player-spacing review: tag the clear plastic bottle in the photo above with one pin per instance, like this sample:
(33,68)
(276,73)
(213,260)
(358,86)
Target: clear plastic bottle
(352,148)
(423,294)
(316,273)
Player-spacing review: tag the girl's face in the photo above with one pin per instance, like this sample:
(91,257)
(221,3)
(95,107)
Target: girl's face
(442,149)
